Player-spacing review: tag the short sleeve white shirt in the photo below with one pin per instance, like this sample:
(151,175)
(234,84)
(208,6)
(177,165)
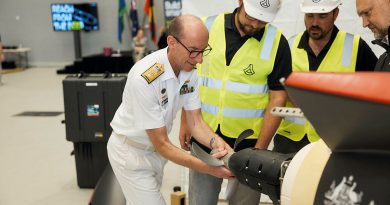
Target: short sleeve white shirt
(154,105)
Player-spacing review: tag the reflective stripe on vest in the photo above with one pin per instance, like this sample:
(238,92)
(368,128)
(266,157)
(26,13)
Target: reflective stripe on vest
(347,51)
(209,82)
(233,112)
(209,22)
(210,109)
(268,42)
(233,86)
(298,120)
(246,88)
(291,41)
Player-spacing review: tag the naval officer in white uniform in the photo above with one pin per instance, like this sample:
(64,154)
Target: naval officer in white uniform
(157,87)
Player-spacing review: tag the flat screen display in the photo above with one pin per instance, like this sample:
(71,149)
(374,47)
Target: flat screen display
(74,16)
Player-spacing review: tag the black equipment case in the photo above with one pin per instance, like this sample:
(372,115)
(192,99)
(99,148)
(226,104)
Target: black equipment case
(90,104)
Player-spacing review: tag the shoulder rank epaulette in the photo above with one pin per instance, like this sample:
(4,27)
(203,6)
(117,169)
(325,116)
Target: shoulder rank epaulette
(153,72)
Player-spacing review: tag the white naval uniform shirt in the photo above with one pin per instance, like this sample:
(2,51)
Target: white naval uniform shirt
(154,105)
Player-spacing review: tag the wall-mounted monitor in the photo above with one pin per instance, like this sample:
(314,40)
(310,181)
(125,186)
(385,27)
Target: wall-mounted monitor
(74,16)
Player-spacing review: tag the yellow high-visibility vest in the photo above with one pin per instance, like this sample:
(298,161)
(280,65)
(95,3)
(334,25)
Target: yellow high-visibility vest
(341,57)
(236,96)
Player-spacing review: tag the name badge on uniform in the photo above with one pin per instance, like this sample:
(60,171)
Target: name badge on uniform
(186,88)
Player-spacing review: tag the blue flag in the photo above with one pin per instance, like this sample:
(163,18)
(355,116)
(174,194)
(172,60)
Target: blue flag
(121,14)
(134,18)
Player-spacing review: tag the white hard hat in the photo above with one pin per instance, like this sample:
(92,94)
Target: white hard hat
(319,6)
(263,10)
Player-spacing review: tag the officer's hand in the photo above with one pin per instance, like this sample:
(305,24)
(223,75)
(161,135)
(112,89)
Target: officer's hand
(184,138)
(221,172)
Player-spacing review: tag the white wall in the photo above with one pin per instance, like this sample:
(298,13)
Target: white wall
(289,17)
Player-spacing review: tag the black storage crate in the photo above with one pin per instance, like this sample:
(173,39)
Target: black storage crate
(90,104)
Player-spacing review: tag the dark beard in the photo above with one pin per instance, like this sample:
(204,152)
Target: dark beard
(316,37)
(248,30)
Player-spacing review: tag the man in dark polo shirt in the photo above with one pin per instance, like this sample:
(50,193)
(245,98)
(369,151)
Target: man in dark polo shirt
(376,16)
(239,85)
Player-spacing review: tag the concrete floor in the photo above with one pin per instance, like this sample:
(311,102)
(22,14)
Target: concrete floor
(36,165)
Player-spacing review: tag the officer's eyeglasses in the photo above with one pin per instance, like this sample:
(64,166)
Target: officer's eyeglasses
(195,53)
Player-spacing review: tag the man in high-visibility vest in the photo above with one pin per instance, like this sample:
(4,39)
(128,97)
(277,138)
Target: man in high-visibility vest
(376,16)
(321,48)
(238,86)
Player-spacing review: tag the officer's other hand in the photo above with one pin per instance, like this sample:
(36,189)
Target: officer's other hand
(222,172)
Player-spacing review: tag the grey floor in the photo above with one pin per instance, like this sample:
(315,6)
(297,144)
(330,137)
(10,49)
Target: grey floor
(36,167)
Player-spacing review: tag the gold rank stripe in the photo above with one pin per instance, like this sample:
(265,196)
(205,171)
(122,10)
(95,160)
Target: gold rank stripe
(153,72)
